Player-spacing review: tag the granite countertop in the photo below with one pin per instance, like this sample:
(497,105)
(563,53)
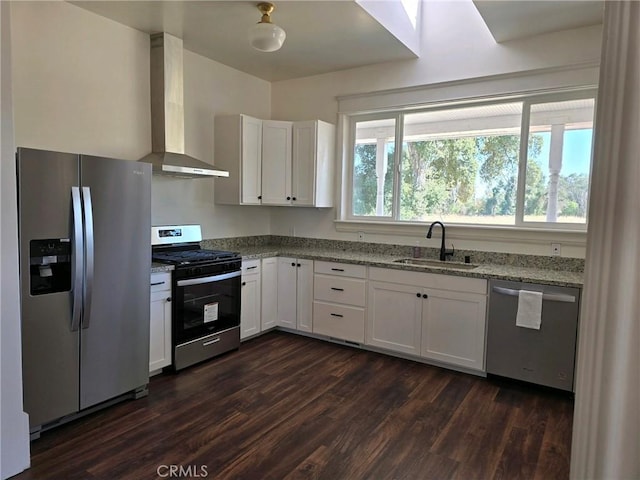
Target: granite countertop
(485,270)
(160,267)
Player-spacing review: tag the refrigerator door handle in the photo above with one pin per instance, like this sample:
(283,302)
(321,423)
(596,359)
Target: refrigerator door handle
(89,255)
(77,258)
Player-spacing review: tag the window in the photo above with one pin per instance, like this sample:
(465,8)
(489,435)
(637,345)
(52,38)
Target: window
(373,166)
(559,161)
(472,164)
(461,165)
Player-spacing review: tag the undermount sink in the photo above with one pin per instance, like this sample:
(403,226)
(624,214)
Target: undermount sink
(426,262)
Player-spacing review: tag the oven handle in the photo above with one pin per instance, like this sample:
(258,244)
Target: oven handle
(214,278)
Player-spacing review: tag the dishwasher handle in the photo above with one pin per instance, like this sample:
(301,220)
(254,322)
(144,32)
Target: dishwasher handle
(553,297)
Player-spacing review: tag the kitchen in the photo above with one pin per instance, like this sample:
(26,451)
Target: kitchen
(91,99)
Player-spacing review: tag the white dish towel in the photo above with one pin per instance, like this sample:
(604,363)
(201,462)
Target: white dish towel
(529,309)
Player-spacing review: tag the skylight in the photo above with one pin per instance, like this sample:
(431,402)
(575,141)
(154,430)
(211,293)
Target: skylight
(411,8)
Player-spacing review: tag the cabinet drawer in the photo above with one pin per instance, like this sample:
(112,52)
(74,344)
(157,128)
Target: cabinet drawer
(250,266)
(341,269)
(160,281)
(429,280)
(338,321)
(348,291)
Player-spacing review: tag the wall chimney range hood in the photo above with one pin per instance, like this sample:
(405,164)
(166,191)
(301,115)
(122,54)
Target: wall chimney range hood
(167,114)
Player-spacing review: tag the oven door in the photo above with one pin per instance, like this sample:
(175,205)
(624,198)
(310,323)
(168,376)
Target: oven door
(206,305)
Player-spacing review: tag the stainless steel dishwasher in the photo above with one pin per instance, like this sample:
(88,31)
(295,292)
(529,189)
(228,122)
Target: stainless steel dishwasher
(545,356)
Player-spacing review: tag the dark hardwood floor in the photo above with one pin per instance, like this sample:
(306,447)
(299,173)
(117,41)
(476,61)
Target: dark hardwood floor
(291,407)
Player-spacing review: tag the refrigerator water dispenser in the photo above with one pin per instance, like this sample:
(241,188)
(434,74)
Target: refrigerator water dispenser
(50,266)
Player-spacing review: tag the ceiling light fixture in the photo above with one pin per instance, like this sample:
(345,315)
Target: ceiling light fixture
(264,35)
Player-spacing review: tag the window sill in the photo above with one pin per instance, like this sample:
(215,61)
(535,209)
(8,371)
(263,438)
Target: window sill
(470,233)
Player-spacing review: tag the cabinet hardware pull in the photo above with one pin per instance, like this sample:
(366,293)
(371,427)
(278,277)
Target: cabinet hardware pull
(288,198)
(294,198)
(168,299)
(424,295)
(338,269)
(251,268)
(298,265)
(293,264)
(259,197)
(155,284)
(244,283)
(418,295)
(337,315)
(337,289)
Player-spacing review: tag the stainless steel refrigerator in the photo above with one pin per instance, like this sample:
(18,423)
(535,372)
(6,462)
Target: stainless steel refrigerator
(85,258)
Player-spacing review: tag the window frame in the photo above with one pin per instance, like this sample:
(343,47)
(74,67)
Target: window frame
(527,100)
(395,209)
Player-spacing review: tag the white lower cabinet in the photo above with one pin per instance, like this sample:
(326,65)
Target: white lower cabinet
(250,313)
(160,322)
(295,293)
(439,317)
(339,299)
(395,317)
(269,293)
(453,328)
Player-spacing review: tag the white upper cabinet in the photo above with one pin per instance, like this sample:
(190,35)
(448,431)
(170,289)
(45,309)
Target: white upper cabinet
(313,164)
(238,149)
(276,162)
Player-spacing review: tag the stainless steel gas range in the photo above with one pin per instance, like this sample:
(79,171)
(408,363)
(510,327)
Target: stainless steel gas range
(205,291)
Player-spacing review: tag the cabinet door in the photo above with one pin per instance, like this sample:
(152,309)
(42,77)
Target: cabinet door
(287,292)
(394,318)
(160,330)
(453,328)
(304,163)
(269,293)
(251,158)
(276,162)
(304,295)
(250,313)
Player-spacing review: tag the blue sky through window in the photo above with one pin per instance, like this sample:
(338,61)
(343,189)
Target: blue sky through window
(576,152)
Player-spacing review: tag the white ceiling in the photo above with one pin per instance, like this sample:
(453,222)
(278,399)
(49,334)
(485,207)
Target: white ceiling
(322,35)
(513,19)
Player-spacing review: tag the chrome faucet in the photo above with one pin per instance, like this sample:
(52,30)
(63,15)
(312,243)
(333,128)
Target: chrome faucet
(444,253)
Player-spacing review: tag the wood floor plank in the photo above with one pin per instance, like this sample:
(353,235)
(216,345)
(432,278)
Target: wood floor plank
(291,407)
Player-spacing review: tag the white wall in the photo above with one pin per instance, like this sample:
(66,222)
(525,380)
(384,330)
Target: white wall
(14,436)
(456,46)
(81,84)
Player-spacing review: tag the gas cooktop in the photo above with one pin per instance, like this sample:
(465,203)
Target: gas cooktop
(191,257)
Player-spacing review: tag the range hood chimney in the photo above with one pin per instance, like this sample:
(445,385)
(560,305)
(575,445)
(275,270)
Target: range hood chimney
(167,114)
